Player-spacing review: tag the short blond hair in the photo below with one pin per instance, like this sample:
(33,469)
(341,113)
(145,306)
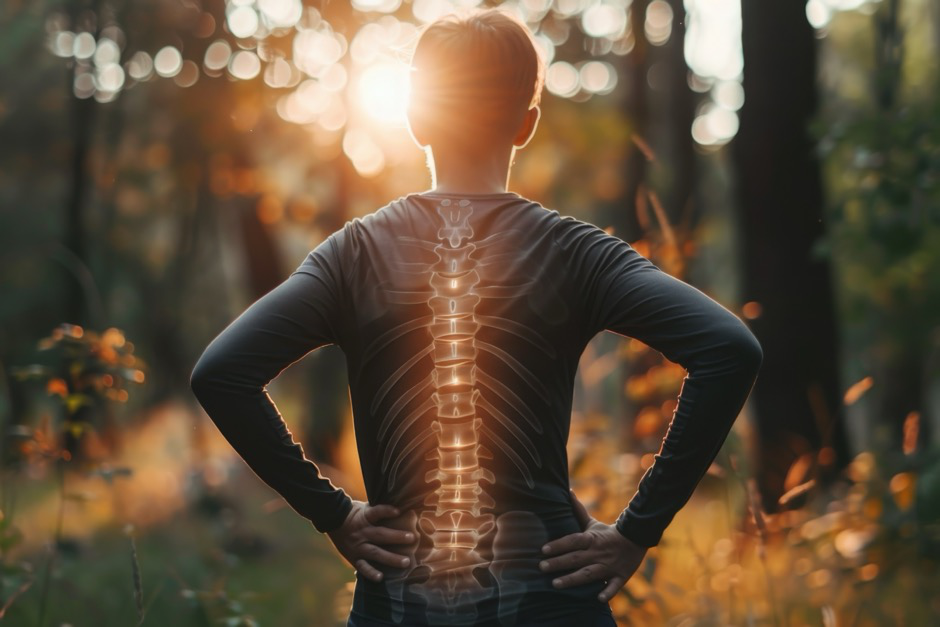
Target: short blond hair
(478,69)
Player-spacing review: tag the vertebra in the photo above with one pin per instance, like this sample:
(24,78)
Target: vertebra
(457,521)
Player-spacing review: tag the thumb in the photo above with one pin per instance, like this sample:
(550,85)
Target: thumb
(580,512)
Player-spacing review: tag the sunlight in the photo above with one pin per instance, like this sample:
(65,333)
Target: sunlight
(382,91)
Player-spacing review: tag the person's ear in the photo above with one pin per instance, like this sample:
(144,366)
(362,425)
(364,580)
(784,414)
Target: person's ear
(530,122)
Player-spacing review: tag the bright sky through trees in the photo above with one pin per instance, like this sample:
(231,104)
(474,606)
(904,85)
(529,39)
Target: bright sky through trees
(355,80)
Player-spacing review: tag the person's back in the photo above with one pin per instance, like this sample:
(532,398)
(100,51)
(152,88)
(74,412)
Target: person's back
(462,323)
(463,312)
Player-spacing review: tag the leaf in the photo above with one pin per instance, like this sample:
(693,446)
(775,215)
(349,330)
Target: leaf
(57,386)
(799,470)
(74,401)
(792,496)
(857,390)
(78,428)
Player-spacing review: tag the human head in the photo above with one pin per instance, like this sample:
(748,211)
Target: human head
(474,78)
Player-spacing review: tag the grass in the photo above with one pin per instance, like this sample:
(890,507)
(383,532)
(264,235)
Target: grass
(197,568)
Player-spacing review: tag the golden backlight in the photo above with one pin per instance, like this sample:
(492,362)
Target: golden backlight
(382,92)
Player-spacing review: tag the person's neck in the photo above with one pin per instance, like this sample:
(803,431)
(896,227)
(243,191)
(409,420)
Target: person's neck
(463,173)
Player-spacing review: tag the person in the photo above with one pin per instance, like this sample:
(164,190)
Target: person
(463,311)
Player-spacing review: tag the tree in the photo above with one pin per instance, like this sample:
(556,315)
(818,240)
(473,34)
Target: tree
(797,399)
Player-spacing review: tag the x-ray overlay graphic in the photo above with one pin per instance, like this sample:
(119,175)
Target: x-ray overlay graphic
(476,422)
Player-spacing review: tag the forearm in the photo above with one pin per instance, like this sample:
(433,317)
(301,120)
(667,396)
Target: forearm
(712,396)
(722,358)
(230,381)
(251,423)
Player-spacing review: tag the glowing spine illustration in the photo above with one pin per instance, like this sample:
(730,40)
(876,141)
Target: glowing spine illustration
(456,523)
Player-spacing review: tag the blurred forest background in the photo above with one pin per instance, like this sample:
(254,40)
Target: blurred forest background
(167,162)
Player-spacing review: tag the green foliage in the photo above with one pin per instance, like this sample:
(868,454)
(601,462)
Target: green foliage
(880,150)
(884,185)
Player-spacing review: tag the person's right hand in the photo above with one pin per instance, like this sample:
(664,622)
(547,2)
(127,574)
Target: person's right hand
(600,552)
(360,535)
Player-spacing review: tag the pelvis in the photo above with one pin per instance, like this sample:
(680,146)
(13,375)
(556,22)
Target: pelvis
(452,581)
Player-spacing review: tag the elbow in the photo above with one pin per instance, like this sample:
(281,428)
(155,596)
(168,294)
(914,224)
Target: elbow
(203,376)
(198,380)
(747,350)
(219,372)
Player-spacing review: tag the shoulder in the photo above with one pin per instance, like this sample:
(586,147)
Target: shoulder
(386,216)
(341,250)
(571,233)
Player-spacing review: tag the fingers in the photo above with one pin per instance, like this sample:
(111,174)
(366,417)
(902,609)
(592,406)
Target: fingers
(580,512)
(589,573)
(381,556)
(368,570)
(387,535)
(375,513)
(572,542)
(566,561)
(614,584)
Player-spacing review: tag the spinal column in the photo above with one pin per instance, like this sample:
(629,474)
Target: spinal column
(456,523)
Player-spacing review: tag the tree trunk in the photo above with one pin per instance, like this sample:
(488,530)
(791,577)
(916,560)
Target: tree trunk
(82,116)
(797,397)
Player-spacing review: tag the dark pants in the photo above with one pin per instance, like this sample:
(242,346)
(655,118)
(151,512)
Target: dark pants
(585,619)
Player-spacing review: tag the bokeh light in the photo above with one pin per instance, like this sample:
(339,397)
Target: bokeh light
(562,79)
(83,46)
(242,21)
(713,38)
(244,64)
(430,10)
(546,47)
(316,50)
(280,13)
(818,13)
(604,20)
(188,74)
(217,55)
(140,66)
(369,88)
(106,52)
(279,74)
(380,6)
(598,77)
(168,62)
(83,86)
(714,125)
(334,78)
(110,77)
(728,95)
(63,43)
(658,24)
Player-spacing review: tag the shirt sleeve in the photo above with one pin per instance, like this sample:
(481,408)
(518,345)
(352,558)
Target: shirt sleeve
(230,382)
(627,294)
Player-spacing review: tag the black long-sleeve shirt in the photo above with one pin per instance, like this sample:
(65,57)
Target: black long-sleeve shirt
(503,294)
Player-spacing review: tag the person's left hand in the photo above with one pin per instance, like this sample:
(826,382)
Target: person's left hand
(600,552)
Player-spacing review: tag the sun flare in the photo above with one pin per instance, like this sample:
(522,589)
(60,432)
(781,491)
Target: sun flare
(382,92)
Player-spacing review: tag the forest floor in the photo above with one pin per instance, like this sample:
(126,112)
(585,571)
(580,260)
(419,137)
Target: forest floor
(213,545)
